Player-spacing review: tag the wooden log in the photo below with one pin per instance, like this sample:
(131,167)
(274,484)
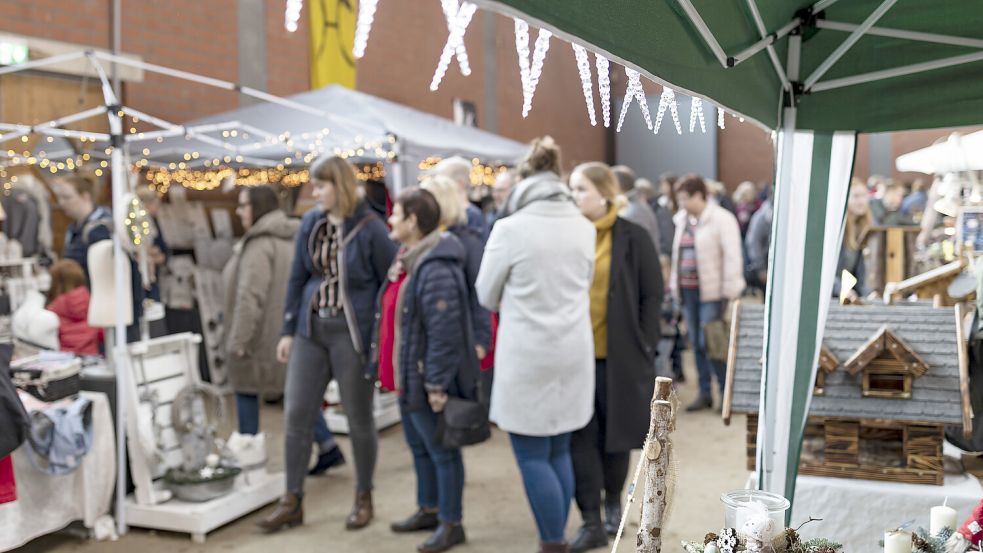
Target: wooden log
(728,400)
(961,344)
(894,269)
(657,473)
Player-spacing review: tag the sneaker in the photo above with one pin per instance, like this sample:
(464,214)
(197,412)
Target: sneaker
(330,458)
(700,404)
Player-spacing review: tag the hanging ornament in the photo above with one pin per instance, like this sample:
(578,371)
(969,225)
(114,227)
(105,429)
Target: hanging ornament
(458,19)
(720,117)
(366,14)
(667,101)
(583,65)
(604,86)
(530,72)
(696,113)
(292,14)
(635,91)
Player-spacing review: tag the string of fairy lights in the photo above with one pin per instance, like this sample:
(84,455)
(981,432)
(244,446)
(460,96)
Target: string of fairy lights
(481,174)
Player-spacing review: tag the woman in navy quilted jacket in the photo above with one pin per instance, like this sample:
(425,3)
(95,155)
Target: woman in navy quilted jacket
(424,347)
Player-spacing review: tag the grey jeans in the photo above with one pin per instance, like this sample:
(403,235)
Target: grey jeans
(328,354)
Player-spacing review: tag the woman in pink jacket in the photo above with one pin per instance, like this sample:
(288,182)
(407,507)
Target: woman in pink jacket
(707,272)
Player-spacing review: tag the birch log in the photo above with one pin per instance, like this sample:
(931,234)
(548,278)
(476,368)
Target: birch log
(656,459)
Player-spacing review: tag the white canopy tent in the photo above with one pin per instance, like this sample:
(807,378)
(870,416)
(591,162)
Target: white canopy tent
(372,128)
(956,154)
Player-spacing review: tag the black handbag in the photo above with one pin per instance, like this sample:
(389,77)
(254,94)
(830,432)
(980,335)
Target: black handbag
(463,422)
(14,421)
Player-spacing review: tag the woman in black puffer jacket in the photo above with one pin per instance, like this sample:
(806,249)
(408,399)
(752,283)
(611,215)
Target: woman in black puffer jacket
(424,347)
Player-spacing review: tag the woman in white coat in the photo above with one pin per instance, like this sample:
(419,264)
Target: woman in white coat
(537,272)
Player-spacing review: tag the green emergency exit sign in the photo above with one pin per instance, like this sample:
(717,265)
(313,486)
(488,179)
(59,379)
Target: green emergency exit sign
(13,53)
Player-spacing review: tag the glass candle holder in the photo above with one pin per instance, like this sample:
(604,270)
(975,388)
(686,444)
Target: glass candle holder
(739,507)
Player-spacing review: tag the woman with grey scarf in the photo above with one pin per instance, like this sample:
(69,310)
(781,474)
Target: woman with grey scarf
(536,273)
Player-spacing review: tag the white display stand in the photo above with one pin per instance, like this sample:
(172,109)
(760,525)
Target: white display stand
(385,410)
(253,491)
(856,512)
(160,368)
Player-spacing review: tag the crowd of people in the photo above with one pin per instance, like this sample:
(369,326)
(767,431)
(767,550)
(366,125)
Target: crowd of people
(546,310)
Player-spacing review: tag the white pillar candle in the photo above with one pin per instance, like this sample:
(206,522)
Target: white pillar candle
(941,517)
(897,541)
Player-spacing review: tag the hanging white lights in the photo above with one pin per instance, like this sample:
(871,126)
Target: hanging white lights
(366,14)
(292,14)
(530,72)
(458,18)
(634,91)
(583,65)
(696,113)
(720,117)
(604,86)
(668,101)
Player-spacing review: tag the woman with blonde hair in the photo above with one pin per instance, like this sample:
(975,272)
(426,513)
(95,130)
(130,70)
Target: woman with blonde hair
(454,219)
(858,221)
(625,309)
(536,273)
(342,254)
(745,204)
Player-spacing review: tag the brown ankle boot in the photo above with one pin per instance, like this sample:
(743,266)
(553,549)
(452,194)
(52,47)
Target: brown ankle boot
(362,511)
(561,547)
(289,512)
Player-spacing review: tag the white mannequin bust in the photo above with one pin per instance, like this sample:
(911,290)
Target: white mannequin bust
(105,293)
(34,324)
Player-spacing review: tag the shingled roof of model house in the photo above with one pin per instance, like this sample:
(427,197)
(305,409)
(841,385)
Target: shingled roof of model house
(929,332)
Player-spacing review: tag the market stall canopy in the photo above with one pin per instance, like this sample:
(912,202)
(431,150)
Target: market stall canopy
(359,122)
(958,153)
(866,65)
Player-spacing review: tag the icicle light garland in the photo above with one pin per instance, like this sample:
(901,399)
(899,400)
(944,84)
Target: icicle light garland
(668,101)
(696,113)
(458,19)
(634,91)
(529,72)
(292,14)
(366,14)
(583,65)
(720,117)
(604,86)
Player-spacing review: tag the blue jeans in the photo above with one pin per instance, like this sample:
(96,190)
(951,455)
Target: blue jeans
(547,474)
(247,406)
(439,471)
(698,313)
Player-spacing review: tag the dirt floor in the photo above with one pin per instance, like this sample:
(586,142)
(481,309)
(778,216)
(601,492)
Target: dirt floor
(496,516)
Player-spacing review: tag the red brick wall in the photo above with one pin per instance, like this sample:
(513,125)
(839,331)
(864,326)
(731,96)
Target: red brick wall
(287,54)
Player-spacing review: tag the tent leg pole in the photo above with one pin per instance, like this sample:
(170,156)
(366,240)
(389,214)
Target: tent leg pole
(119,350)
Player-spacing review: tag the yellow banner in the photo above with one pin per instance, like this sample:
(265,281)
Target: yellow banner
(332,37)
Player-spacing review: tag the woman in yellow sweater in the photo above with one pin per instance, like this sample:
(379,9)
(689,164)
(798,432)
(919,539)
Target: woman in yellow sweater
(625,303)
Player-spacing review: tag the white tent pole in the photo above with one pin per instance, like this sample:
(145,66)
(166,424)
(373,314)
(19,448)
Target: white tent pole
(897,72)
(705,32)
(43,62)
(900,33)
(398,171)
(14,127)
(822,5)
(149,118)
(848,43)
(772,55)
(74,117)
(68,133)
(153,135)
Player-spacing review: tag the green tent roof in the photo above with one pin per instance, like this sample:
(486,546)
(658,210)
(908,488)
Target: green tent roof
(659,39)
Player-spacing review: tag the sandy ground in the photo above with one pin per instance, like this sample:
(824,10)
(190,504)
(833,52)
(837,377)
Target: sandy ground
(496,516)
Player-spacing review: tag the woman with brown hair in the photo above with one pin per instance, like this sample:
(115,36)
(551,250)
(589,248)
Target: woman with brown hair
(342,255)
(858,221)
(68,297)
(625,307)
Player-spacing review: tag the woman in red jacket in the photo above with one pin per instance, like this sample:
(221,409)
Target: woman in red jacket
(68,298)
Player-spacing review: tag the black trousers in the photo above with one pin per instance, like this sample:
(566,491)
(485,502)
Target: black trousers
(596,470)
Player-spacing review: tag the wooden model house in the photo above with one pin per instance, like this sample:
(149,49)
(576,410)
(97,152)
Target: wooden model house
(890,379)
(932,285)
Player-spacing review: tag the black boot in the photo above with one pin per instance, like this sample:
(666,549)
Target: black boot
(590,536)
(420,520)
(446,536)
(612,517)
(327,459)
(700,404)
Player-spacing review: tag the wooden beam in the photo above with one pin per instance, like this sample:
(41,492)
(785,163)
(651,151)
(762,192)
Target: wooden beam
(828,361)
(964,372)
(867,352)
(894,270)
(728,400)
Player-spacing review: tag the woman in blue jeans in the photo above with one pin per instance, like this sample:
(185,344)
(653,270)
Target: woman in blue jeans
(536,273)
(423,347)
(707,272)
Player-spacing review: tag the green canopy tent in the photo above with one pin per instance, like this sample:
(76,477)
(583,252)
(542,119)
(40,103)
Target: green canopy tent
(818,72)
